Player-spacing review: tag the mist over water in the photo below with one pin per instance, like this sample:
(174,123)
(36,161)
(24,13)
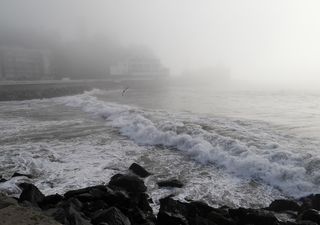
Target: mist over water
(270,43)
(223,95)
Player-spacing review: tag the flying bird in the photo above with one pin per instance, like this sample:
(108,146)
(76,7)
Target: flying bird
(124,91)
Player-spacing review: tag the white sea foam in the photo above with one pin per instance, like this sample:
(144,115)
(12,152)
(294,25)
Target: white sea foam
(242,150)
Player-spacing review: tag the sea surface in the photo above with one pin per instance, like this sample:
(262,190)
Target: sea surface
(236,147)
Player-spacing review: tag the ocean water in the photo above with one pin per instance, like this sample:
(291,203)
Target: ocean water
(235,148)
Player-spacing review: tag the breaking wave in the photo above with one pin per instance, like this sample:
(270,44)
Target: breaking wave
(245,149)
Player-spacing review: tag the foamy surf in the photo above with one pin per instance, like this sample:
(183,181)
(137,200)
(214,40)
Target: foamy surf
(242,149)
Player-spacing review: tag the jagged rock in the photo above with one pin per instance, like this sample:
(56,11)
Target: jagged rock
(284,205)
(2,179)
(111,216)
(50,201)
(170,205)
(170,183)
(167,218)
(75,217)
(256,217)
(128,183)
(31,194)
(59,214)
(305,223)
(316,202)
(139,170)
(16,174)
(311,215)
(72,193)
(217,218)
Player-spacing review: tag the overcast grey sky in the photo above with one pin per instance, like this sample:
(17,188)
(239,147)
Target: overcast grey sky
(262,40)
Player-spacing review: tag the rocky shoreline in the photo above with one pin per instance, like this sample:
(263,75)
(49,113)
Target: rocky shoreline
(124,201)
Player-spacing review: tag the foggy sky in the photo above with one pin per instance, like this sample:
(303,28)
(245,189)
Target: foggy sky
(265,41)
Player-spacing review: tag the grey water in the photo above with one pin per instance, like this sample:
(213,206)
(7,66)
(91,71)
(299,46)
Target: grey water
(229,147)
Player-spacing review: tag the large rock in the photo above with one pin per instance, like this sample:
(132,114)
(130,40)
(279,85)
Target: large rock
(73,193)
(2,179)
(170,183)
(31,194)
(139,170)
(167,218)
(128,183)
(75,217)
(310,215)
(111,216)
(254,217)
(50,201)
(220,219)
(284,205)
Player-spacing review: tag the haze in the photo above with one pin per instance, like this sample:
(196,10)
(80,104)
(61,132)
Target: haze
(274,42)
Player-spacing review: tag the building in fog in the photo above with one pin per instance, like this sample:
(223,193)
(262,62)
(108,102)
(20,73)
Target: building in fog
(139,67)
(24,64)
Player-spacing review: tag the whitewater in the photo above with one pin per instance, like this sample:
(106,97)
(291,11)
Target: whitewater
(236,149)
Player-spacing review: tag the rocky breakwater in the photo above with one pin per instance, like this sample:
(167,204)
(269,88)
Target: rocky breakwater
(124,201)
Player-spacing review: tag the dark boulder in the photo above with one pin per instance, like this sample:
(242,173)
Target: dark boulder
(50,201)
(167,218)
(75,217)
(198,208)
(170,205)
(31,194)
(128,183)
(284,205)
(251,216)
(16,174)
(220,219)
(170,183)
(315,201)
(111,216)
(58,214)
(2,179)
(139,170)
(310,215)
(73,193)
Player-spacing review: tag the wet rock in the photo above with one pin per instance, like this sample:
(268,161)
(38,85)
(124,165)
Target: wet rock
(139,170)
(59,214)
(315,201)
(170,205)
(166,218)
(255,217)
(90,207)
(170,183)
(31,194)
(284,205)
(2,179)
(73,193)
(111,216)
(16,174)
(75,217)
(50,201)
(220,219)
(310,215)
(128,183)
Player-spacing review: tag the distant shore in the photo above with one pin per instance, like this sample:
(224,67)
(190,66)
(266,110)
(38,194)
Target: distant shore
(27,90)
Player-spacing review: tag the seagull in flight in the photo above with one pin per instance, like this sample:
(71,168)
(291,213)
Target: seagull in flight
(124,91)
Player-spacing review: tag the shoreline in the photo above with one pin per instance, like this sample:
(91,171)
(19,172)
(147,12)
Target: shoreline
(28,90)
(124,201)
(15,91)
